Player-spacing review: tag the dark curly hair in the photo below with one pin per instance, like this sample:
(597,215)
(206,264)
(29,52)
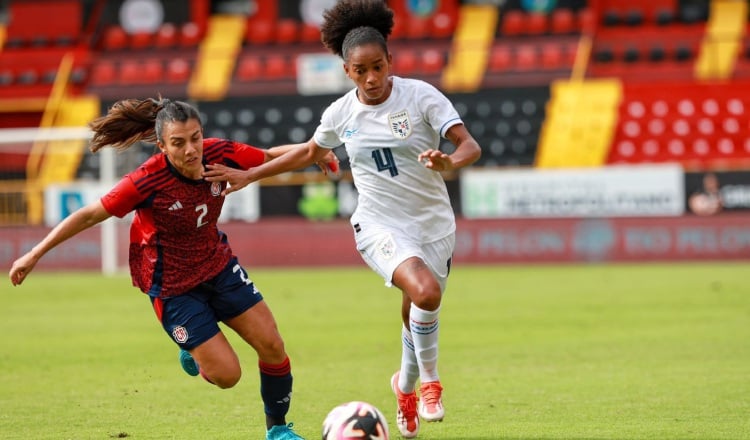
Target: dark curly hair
(131,120)
(353,23)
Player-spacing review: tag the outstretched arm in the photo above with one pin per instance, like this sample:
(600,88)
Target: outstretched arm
(76,222)
(467,151)
(293,157)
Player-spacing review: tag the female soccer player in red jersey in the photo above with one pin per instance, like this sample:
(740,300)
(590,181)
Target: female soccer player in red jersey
(178,256)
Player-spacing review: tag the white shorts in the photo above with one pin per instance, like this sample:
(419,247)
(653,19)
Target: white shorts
(385,249)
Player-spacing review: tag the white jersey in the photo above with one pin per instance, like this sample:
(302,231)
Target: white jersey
(383,142)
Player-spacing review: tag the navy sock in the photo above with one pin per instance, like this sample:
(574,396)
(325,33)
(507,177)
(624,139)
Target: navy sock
(275,390)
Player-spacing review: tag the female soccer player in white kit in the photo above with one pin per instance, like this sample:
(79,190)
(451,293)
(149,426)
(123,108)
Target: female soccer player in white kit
(404,225)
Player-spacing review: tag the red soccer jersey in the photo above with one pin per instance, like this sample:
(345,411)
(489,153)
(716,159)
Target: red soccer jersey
(175,243)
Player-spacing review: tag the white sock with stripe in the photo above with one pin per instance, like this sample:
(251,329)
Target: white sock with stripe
(424,332)
(409,373)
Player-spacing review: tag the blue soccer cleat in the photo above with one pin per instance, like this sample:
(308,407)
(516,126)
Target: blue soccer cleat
(282,432)
(188,363)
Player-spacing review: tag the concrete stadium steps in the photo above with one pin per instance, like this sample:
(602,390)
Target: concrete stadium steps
(581,117)
(723,40)
(217,55)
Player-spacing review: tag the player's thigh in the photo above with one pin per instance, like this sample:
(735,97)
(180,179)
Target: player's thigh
(258,328)
(384,250)
(217,358)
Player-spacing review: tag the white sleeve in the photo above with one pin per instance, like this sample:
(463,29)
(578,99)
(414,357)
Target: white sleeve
(325,135)
(439,110)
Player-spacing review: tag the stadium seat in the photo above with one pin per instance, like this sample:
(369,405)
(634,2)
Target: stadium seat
(166,36)
(501,58)
(443,25)
(513,23)
(432,61)
(115,38)
(552,56)
(536,23)
(177,71)
(287,31)
(249,68)
(130,72)
(562,21)
(405,62)
(309,33)
(418,28)
(153,71)
(190,34)
(103,73)
(141,40)
(526,57)
(278,67)
(259,32)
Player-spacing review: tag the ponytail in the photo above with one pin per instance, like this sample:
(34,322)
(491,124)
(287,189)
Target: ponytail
(132,120)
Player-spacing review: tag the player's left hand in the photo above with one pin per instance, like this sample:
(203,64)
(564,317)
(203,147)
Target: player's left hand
(236,179)
(329,165)
(436,160)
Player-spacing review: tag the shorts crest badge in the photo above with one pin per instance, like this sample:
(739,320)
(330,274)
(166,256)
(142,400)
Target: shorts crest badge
(180,334)
(386,247)
(400,124)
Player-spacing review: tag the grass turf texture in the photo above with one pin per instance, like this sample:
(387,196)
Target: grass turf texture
(548,352)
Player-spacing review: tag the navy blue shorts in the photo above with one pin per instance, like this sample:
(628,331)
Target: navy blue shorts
(193,317)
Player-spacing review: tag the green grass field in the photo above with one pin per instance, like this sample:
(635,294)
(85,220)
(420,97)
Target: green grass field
(547,352)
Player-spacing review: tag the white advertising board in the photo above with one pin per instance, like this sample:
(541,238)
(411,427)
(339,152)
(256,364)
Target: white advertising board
(321,74)
(618,191)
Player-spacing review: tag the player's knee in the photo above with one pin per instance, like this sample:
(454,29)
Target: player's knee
(427,297)
(227,378)
(272,350)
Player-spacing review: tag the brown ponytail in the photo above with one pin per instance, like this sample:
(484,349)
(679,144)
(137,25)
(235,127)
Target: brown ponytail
(132,120)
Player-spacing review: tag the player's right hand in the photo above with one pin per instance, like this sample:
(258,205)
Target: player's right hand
(21,268)
(236,179)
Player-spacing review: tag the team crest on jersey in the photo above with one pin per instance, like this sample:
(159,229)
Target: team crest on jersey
(180,334)
(215,188)
(400,124)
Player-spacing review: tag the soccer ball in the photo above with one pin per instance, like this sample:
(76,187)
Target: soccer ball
(355,421)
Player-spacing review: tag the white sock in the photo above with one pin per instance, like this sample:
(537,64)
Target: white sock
(409,373)
(424,332)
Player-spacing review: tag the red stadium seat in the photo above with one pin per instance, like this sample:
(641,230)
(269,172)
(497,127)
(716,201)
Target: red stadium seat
(562,21)
(536,23)
(309,33)
(130,72)
(405,62)
(115,38)
(249,68)
(432,61)
(104,73)
(178,71)
(278,67)
(527,57)
(443,25)
(501,58)
(166,36)
(418,28)
(190,34)
(259,32)
(552,56)
(141,40)
(513,23)
(153,71)
(287,31)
